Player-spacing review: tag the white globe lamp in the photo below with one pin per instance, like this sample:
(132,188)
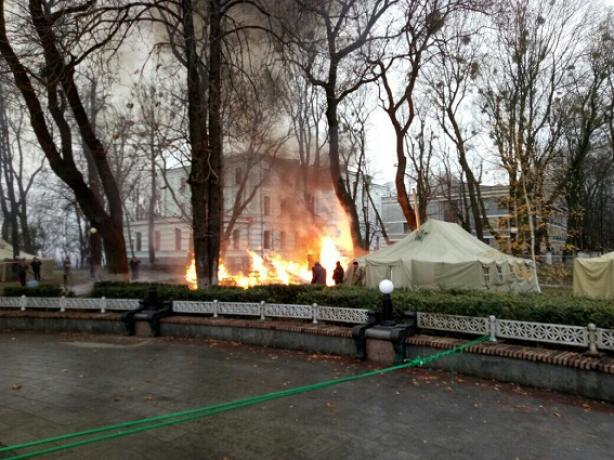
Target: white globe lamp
(386,287)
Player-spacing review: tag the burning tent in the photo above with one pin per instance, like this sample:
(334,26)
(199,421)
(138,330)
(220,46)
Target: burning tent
(442,255)
(594,277)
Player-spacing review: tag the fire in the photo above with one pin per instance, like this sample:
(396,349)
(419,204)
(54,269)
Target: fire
(324,243)
(275,269)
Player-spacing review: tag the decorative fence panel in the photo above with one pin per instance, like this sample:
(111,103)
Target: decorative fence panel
(72,303)
(43,302)
(543,332)
(342,315)
(282,310)
(454,323)
(10,302)
(182,306)
(605,339)
(238,308)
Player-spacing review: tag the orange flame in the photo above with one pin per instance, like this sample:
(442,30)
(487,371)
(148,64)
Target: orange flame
(334,245)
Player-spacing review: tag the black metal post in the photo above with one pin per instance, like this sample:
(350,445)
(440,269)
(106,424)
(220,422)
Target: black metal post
(387,318)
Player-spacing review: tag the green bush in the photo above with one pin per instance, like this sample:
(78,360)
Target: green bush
(547,308)
(43,290)
(122,290)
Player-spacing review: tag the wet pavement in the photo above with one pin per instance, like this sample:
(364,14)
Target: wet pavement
(56,384)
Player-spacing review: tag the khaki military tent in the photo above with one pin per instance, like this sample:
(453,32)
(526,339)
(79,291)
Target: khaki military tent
(594,277)
(443,255)
(6,262)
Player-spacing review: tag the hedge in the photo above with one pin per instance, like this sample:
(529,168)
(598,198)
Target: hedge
(43,290)
(545,307)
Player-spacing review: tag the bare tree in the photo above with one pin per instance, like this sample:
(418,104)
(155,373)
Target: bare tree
(47,82)
(536,42)
(451,79)
(325,41)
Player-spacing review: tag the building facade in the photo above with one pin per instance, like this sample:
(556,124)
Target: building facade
(280,207)
(446,207)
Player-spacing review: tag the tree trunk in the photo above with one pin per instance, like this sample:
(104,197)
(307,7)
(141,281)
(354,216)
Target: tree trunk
(152,204)
(199,142)
(344,197)
(216,180)
(399,182)
(94,240)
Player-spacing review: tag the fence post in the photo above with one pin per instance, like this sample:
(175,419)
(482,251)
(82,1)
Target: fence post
(314,313)
(103,304)
(262,304)
(23,302)
(492,328)
(592,339)
(215,308)
(63,304)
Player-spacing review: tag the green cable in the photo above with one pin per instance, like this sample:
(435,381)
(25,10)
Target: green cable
(193,414)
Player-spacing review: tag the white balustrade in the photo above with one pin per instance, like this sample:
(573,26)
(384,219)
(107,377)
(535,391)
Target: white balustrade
(578,336)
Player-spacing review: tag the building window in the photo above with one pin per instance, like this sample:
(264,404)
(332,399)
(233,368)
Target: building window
(267,205)
(157,240)
(238,176)
(266,244)
(139,241)
(177,239)
(235,239)
(282,240)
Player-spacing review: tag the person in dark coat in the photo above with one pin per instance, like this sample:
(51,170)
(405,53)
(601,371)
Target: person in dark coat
(338,274)
(36,268)
(319,274)
(134,267)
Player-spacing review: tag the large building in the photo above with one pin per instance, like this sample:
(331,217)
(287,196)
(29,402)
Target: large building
(281,207)
(447,207)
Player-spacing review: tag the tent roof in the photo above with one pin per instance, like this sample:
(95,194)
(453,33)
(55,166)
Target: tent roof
(439,241)
(603,258)
(6,251)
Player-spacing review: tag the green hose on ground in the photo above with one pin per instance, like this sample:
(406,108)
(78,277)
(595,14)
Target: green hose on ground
(152,423)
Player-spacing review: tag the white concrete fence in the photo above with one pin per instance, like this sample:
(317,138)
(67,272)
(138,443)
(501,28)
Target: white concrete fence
(590,337)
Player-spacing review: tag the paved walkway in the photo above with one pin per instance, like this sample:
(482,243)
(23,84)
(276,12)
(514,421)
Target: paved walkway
(55,384)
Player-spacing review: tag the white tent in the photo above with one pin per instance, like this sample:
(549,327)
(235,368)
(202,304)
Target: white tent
(6,262)
(594,277)
(443,255)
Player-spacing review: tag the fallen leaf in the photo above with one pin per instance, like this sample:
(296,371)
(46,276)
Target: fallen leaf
(147,398)
(556,414)
(16,386)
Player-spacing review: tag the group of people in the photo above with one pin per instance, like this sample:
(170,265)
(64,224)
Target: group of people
(21,269)
(353,277)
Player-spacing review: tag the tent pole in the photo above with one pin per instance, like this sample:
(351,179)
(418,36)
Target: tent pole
(416,208)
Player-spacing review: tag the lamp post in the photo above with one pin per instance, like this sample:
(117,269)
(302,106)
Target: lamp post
(94,240)
(385,328)
(386,287)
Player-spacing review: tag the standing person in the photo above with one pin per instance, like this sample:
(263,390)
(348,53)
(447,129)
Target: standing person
(134,267)
(36,268)
(22,270)
(319,274)
(66,268)
(338,274)
(356,277)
